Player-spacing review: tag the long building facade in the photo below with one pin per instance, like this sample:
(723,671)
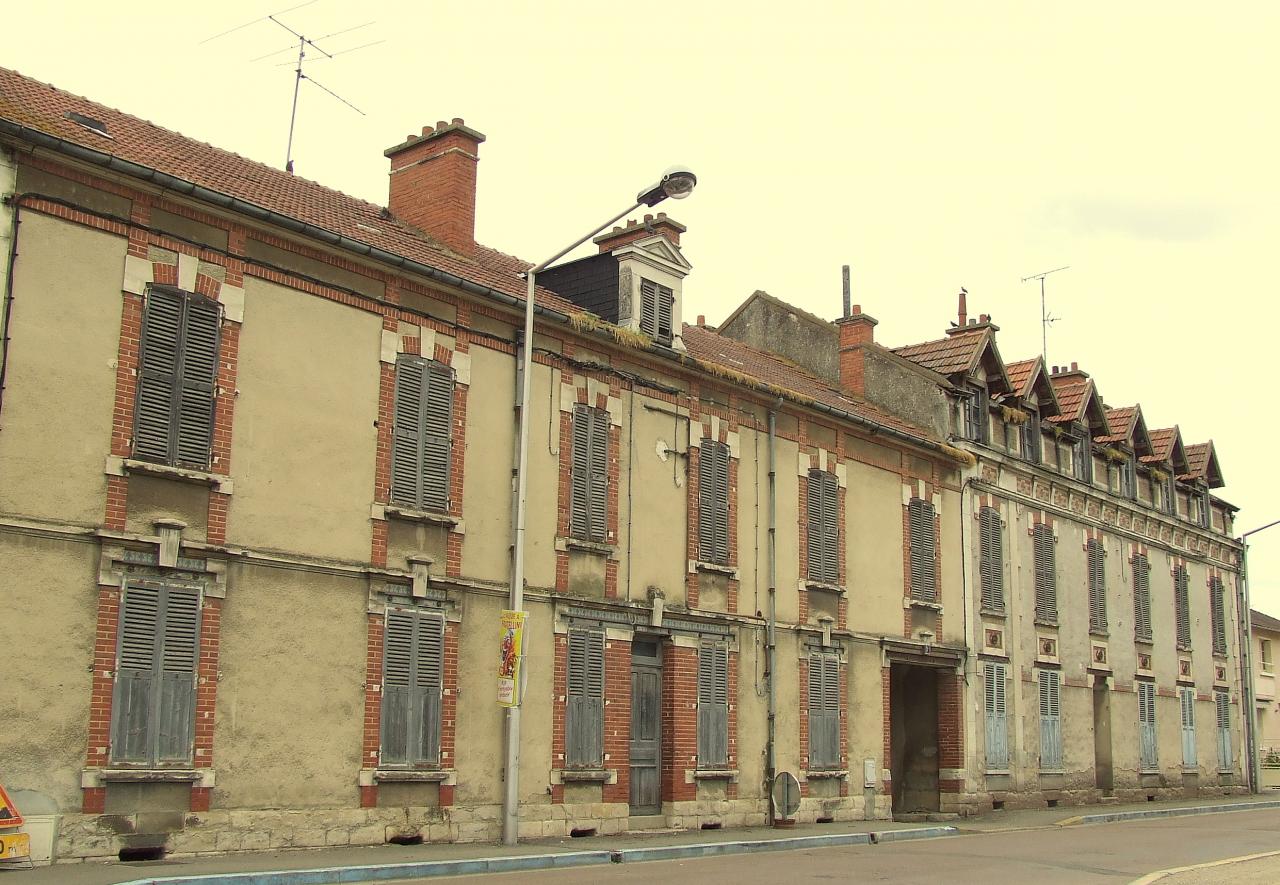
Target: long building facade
(256,468)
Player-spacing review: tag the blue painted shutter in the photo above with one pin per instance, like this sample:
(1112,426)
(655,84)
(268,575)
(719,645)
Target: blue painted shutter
(1187,702)
(997,716)
(1222,704)
(1148,756)
(1050,721)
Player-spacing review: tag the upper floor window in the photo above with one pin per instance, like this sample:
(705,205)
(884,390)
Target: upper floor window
(1129,477)
(824,527)
(1082,458)
(589,480)
(924,567)
(656,304)
(1141,597)
(713,502)
(1203,509)
(421,447)
(1097,586)
(1169,498)
(1265,656)
(1031,439)
(1182,607)
(1218,615)
(975,414)
(1045,574)
(173,421)
(991,559)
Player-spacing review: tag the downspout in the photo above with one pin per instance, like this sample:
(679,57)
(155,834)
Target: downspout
(6,316)
(771,644)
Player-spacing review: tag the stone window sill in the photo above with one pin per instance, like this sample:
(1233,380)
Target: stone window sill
(823,585)
(216,481)
(993,613)
(923,603)
(1139,640)
(412,776)
(1042,622)
(826,773)
(713,774)
(409,514)
(587,775)
(703,566)
(148,775)
(1053,772)
(1100,634)
(998,772)
(596,547)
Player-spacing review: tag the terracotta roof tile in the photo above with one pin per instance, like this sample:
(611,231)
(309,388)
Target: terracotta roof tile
(947,356)
(1162,444)
(1072,393)
(1121,423)
(1197,460)
(1020,374)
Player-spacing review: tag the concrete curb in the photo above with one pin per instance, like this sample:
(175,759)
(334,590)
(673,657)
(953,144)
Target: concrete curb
(520,863)
(1146,814)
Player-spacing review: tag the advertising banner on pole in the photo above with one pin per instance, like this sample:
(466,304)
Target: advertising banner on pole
(511,658)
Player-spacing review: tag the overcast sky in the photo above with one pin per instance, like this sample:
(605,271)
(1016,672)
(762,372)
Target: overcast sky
(928,145)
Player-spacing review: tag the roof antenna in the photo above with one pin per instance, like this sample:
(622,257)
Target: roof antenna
(299,74)
(1045,319)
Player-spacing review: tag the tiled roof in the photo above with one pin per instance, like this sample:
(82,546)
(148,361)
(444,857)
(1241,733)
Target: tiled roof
(728,353)
(1073,394)
(947,356)
(1263,621)
(1162,444)
(1121,424)
(42,107)
(1197,460)
(1020,375)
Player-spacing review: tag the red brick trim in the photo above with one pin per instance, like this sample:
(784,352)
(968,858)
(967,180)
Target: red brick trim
(617,718)
(680,722)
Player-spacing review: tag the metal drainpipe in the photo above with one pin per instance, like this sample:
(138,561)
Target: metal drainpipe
(771,645)
(7,314)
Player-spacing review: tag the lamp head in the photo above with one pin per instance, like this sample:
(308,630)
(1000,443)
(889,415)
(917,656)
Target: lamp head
(677,183)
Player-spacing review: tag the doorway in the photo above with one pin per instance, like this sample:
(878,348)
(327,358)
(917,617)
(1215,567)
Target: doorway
(646,726)
(913,733)
(1102,763)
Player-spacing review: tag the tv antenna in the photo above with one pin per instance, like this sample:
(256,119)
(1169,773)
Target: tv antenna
(1045,319)
(302,44)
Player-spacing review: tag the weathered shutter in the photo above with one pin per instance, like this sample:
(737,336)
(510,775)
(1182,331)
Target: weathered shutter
(437,425)
(199,374)
(1097,586)
(648,307)
(1141,597)
(720,505)
(1187,700)
(1045,569)
(176,706)
(140,625)
(920,518)
(580,474)
(824,533)
(991,558)
(824,711)
(413,679)
(406,475)
(1050,721)
(397,687)
(428,685)
(599,487)
(1031,438)
(713,501)
(1182,607)
(1218,615)
(1223,706)
(584,699)
(1147,725)
(713,705)
(158,375)
(666,304)
(996,714)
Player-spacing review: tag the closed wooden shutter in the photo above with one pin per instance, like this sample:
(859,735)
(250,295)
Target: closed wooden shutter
(823,525)
(437,425)
(412,684)
(997,716)
(177,378)
(589,481)
(1050,721)
(666,306)
(1046,574)
(1148,756)
(1218,615)
(924,581)
(648,307)
(713,705)
(991,558)
(824,711)
(1141,597)
(1097,586)
(584,700)
(1187,701)
(422,436)
(153,709)
(1182,607)
(713,502)
(1222,704)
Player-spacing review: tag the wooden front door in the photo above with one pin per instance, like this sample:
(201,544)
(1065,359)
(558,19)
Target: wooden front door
(646,726)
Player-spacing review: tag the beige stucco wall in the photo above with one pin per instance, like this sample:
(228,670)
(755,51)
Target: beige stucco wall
(873,514)
(486,501)
(653,550)
(543,475)
(302,451)
(60,384)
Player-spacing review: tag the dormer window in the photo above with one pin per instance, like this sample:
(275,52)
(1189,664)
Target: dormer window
(1082,458)
(1031,437)
(1129,477)
(656,303)
(975,414)
(1202,508)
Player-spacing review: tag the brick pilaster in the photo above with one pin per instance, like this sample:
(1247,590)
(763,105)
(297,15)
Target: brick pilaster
(617,719)
(680,723)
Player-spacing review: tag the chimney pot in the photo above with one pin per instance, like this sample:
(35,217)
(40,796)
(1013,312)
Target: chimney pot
(648,218)
(702,320)
(964,309)
(662,215)
(984,317)
(440,124)
(972,321)
(856,309)
(459,121)
(1075,367)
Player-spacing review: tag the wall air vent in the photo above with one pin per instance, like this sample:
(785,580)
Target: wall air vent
(96,126)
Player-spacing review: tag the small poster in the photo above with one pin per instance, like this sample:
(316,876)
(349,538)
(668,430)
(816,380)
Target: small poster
(510,658)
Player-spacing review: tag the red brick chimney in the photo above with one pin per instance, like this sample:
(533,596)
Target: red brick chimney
(856,330)
(638,230)
(433,183)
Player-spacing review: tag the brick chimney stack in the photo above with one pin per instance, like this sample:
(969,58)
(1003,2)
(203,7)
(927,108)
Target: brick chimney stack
(638,230)
(856,330)
(433,183)
(964,308)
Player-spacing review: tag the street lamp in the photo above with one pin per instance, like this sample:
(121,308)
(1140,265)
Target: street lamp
(1246,660)
(676,183)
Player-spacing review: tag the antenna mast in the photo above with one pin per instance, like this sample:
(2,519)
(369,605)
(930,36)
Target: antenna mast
(1045,319)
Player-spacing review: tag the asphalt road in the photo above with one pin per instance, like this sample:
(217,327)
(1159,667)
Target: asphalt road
(1119,852)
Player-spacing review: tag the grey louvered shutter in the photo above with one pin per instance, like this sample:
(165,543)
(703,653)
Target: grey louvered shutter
(1187,701)
(397,687)
(140,625)
(580,474)
(406,476)
(1097,586)
(198,379)
(158,375)
(428,685)
(649,307)
(824,711)
(422,436)
(824,533)
(437,421)
(176,706)
(713,502)
(1222,705)
(1218,615)
(1050,721)
(997,713)
(924,582)
(813,499)
(991,558)
(713,705)
(665,305)
(599,488)
(1046,580)
(413,679)
(1182,607)
(1141,597)
(584,699)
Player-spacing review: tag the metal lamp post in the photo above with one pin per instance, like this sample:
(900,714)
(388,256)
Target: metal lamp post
(676,183)
(1246,661)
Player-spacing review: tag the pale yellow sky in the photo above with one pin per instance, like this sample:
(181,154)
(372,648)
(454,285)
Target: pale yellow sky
(929,145)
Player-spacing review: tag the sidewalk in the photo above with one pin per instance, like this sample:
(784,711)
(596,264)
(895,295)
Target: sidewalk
(645,845)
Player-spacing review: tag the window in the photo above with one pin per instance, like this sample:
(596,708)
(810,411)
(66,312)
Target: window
(1222,704)
(153,707)
(1050,721)
(1046,574)
(924,570)
(1187,701)
(1129,477)
(412,681)
(590,476)
(1141,597)
(656,303)
(713,502)
(1202,509)
(1148,758)
(824,528)
(1265,655)
(1169,503)
(1097,586)
(421,441)
(824,711)
(975,414)
(997,716)
(584,700)
(713,705)
(1082,458)
(173,423)
(1218,615)
(1031,437)
(1182,607)
(991,558)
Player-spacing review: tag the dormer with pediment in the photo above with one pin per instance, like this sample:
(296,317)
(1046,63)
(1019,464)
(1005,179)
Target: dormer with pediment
(634,282)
